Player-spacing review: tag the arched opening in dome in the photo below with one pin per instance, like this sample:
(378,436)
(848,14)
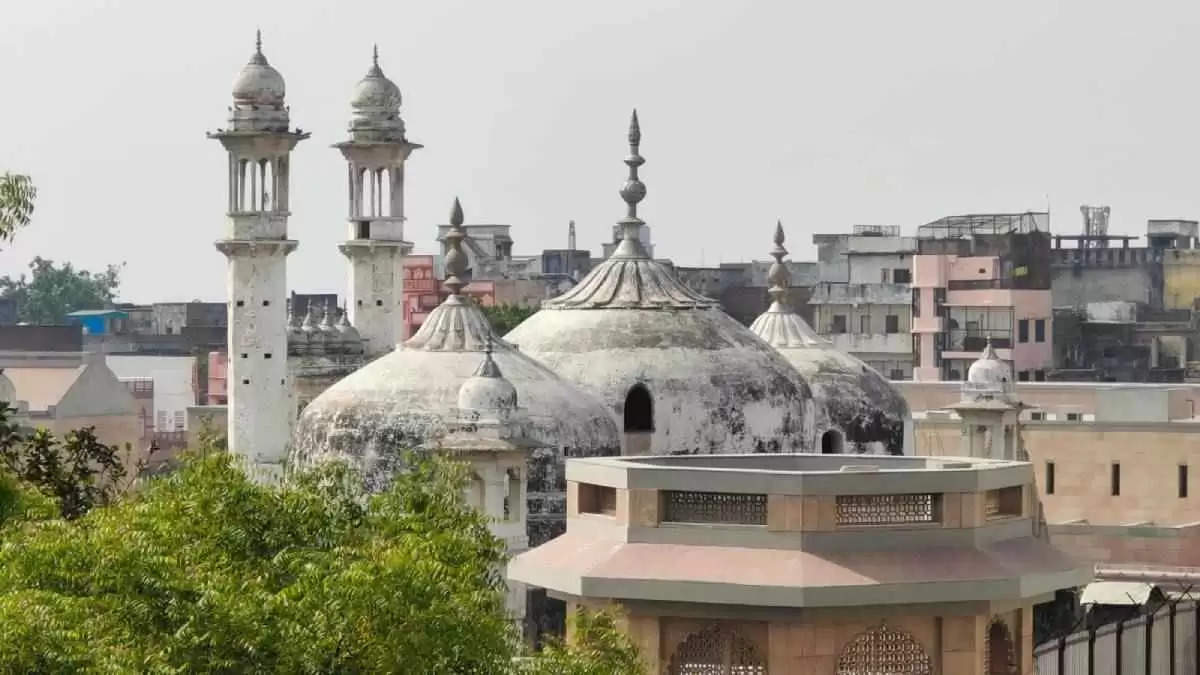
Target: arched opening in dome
(831,442)
(639,410)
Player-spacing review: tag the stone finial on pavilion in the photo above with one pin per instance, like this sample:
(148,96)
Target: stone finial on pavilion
(456,260)
(633,192)
(778,275)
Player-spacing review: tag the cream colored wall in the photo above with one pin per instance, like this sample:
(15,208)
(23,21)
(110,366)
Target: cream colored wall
(955,645)
(110,429)
(1083,454)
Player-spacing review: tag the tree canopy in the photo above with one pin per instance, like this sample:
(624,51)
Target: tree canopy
(50,292)
(507,317)
(17,197)
(203,570)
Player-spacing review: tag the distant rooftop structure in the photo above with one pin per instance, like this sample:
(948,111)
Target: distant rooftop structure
(877,230)
(985,224)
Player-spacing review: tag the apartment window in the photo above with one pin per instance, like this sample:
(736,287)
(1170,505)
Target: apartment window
(179,420)
(864,324)
(1183,476)
(896,374)
(1039,330)
(1116,479)
(916,302)
(901,276)
(839,324)
(1037,416)
(1074,417)
(891,324)
(1049,478)
(884,274)
(1023,330)
(1039,376)
(916,350)
(1023,376)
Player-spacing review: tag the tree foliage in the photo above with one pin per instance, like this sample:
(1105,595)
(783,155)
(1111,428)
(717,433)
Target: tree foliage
(507,317)
(17,197)
(597,647)
(50,292)
(78,472)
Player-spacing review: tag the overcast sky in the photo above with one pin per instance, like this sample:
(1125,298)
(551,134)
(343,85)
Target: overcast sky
(824,114)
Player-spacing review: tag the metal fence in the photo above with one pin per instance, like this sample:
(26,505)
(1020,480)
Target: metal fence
(1163,643)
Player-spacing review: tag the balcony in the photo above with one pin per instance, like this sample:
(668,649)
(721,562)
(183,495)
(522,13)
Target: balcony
(973,341)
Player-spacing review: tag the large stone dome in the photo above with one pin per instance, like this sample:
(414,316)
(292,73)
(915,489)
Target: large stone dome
(680,374)
(854,403)
(410,397)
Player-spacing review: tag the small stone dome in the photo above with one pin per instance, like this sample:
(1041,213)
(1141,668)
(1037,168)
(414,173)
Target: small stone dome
(487,393)
(851,398)
(989,370)
(375,91)
(347,330)
(259,83)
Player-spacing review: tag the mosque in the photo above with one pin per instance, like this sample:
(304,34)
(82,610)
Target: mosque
(627,362)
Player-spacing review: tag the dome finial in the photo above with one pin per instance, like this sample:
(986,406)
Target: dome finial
(778,275)
(633,192)
(488,368)
(456,260)
(258,58)
(375,54)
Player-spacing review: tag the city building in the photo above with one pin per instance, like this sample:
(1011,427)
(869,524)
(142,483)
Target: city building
(862,302)
(977,277)
(809,564)
(1126,313)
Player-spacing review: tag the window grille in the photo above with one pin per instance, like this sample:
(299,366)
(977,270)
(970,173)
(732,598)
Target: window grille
(884,650)
(715,507)
(887,509)
(717,651)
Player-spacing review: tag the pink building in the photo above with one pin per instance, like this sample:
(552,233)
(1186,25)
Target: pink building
(978,277)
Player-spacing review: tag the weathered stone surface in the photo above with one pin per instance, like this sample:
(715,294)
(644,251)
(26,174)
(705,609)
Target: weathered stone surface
(715,387)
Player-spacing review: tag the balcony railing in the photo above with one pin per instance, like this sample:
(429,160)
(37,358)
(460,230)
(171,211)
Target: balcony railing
(975,340)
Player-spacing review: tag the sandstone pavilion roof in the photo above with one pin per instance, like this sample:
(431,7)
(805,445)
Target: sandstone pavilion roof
(802,531)
(409,397)
(713,386)
(851,396)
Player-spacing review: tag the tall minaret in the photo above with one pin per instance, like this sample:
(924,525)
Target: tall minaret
(375,247)
(256,244)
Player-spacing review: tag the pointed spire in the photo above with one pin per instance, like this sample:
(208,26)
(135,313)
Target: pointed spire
(633,192)
(456,260)
(989,353)
(327,317)
(375,54)
(375,70)
(258,58)
(344,320)
(778,275)
(488,368)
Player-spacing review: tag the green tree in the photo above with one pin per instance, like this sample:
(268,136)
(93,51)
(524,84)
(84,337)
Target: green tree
(206,571)
(78,472)
(507,317)
(50,292)
(597,647)
(17,196)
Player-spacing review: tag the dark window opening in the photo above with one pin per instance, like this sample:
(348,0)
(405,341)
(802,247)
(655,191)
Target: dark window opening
(267,355)
(902,276)
(1116,480)
(1074,417)
(1183,480)
(831,442)
(1023,330)
(245,381)
(364,229)
(360,303)
(891,324)
(1023,376)
(639,409)
(379,303)
(1039,330)
(1039,376)
(266,303)
(1037,416)
(241,303)
(839,324)
(864,324)
(1049,478)
(896,374)
(244,355)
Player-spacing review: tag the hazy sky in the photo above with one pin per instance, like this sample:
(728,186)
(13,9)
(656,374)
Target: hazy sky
(824,114)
